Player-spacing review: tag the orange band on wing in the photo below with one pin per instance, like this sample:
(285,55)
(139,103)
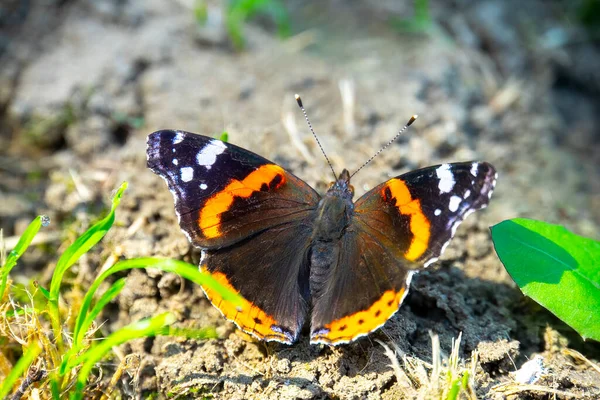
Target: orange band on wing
(352,326)
(419,224)
(247,317)
(210,216)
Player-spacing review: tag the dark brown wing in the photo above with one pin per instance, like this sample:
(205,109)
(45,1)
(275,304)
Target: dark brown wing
(223,193)
(253,220)
(365,288)
(400,226)
(270,271)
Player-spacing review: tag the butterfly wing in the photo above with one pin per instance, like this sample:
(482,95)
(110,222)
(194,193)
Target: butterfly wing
(244,211)
(224,193)
(400,226)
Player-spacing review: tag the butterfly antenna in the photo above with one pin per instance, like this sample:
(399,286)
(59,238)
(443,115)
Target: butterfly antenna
(409,123)
(299,101)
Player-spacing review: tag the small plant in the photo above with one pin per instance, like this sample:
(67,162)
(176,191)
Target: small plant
(224,137)
(421,22)
(556,268)
(240,11)
(444,379)
(62,354)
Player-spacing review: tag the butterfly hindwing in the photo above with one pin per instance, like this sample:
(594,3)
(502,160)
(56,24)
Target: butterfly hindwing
(272,278)
(371,281)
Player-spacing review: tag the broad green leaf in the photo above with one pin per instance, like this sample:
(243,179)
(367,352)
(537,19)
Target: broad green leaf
(556,268)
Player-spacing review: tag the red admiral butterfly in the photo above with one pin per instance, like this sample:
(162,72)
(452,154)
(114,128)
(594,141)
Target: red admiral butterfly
(291,252)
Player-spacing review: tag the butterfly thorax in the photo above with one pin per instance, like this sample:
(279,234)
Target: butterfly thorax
(334,210)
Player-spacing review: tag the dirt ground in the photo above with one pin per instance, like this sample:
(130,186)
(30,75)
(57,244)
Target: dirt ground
(82,83)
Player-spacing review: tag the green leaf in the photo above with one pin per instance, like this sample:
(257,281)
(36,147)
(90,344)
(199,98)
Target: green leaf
(556,268)
(181,268)
(81,246)
(42,289)
(146,328)
(22,245)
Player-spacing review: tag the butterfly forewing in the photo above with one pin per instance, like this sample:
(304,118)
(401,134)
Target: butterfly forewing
(421,210)
(222,192)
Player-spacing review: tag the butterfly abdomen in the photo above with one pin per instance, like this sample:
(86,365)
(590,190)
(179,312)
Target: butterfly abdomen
(333,217)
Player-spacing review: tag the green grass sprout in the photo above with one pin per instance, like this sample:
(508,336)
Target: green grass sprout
(445,378)
(421,22)
(22,245)
(145,328)
(238,12)
(554,267)
(82,245)
(20,369)
(70,358)
(181,268)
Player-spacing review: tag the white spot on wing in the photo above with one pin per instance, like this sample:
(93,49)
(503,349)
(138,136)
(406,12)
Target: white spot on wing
(454,203)
(437,212)
(467,194)
(187,174)
(474,168)
(208,155)
(446,178)
(175,161)
(177,138)
(203,186)
(429,262)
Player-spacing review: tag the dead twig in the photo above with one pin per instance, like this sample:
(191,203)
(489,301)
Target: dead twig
(33,375)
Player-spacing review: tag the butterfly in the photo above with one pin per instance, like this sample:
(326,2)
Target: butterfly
(295,255)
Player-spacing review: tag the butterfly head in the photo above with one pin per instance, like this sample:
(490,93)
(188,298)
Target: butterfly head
(342,187)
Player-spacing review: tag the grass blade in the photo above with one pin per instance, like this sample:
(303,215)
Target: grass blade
(187,271)
(145,328)
(22,245)
(20,369)
(88,318)
(81,246)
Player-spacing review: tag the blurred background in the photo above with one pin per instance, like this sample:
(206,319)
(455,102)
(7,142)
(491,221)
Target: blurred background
(516,83)
(512,82)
